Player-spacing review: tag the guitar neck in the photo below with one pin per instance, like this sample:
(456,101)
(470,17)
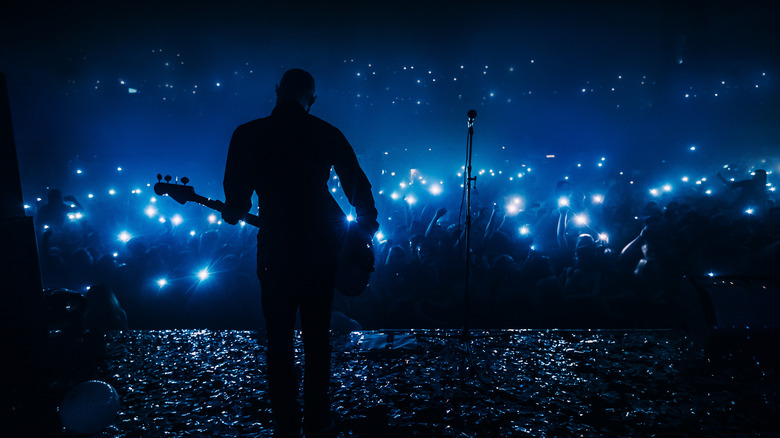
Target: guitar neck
(213,204)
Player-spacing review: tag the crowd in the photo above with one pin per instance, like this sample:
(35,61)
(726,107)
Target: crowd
(543,265)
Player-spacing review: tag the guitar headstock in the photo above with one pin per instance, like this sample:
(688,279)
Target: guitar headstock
(180,193)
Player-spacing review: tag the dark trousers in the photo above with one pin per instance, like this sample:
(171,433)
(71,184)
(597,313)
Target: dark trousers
(283,292)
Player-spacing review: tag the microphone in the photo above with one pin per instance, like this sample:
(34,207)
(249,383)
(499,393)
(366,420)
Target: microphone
(472,115)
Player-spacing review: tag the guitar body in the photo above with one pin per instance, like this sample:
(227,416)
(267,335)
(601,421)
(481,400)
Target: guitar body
(355,258)
(355,264)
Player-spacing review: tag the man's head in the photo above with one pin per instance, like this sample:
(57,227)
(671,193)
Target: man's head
(296,86)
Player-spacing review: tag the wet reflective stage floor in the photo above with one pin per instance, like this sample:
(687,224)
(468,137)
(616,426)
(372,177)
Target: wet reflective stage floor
(430,383)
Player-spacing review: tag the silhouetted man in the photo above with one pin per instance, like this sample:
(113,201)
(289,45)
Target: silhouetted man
(286,158)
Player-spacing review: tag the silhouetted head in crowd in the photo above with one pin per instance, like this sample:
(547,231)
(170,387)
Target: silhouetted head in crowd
(425,251)
(137,247)
(759,176)
(563,188)
(296,86)
(55,197)
(585,251)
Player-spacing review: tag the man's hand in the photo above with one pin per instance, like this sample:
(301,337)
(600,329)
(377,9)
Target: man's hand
(230,217)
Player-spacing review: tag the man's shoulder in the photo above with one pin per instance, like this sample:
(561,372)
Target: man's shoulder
(253,124)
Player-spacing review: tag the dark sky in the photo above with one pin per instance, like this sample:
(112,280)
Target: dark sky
(160,87)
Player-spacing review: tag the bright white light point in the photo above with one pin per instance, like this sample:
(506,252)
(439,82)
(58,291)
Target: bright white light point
(693,148)
(579,164)
(603,237)
(162,220)
(150,211)
(685,179)
(524,230)
(394,195)
(203,274)
(90,196)
(212,218)
(654,192)
(601,164)
(435,189)
(192,233)
(118,169)
(709,192)
(350,218)
(581,219)
(162,282)
(333,190)
(26,206)
(379,236)
(218,84)
(78,171)
(152,199)
(177,219)
(563,201)
(124,236)
(392,173)
(116,254)
(749,211)
(411,199)
(598,199)
(112,192)
(711,274)
(583,90)
(667,187)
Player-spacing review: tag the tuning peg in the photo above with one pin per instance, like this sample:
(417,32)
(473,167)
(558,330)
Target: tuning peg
(159,177)
(185,180)
(167,178)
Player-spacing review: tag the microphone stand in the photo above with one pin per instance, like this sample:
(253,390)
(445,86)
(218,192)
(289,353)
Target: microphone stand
(465,335)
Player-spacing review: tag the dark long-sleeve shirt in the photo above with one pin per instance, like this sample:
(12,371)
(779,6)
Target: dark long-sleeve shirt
(286,158)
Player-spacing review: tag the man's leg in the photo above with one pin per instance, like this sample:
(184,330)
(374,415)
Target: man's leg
(279,308)
(315,309)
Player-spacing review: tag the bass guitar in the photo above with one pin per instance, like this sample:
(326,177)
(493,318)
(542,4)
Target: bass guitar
(355,258)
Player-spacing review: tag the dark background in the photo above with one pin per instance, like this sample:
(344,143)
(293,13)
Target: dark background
(540,74)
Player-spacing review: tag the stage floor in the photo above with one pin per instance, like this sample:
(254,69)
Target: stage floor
(429,383)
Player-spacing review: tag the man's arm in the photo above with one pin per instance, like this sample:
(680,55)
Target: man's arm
(356,186)
(237,185)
